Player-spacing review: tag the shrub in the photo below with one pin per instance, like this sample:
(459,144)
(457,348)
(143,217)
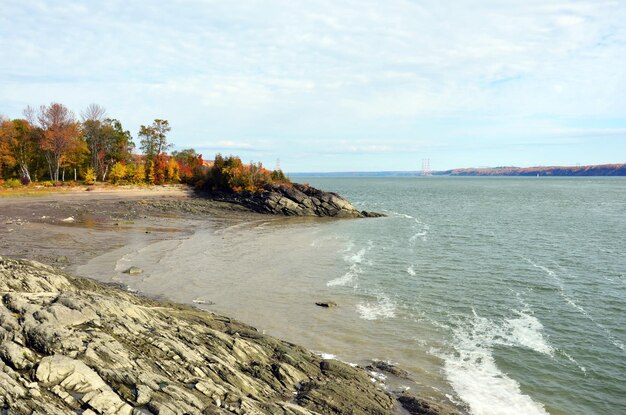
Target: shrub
(90,177)
(139,176)
(47,183)
(118,173)
(151,177)
(12,184)
(173,170)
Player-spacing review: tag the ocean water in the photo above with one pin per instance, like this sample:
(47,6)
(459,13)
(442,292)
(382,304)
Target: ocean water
(501,295)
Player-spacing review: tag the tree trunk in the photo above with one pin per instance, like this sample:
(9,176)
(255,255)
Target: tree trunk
(25,172)
(104,175)
(50,167)
(57,167)
(74,174)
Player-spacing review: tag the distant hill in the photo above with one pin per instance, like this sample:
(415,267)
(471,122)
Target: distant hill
(591,170)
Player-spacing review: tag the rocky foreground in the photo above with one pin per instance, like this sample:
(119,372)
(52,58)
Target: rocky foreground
(295,200)
(71,345)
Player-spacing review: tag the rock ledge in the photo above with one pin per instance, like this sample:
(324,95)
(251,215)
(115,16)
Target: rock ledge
(295,200)
(70,345)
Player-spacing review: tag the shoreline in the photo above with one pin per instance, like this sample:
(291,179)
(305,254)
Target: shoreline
(97,231)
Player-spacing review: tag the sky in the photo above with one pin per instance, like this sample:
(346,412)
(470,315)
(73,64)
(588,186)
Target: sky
(336,85)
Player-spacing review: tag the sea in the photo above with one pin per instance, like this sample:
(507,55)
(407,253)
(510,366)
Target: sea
(499,295)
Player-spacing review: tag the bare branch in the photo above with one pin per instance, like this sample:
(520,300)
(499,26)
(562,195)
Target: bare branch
(93,112)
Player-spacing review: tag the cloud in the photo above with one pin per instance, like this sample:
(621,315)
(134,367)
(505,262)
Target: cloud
(289,71)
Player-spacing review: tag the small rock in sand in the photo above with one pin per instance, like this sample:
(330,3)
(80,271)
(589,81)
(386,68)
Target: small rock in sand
(68,220)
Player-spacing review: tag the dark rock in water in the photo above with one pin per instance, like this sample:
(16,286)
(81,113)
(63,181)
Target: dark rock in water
(389,368)
(133,271)
(295,200)
(327,304)
(372,214)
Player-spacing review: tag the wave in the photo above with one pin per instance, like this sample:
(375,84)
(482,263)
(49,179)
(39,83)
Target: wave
(420,228)
(421,231)
(472,371)
(411,271)
(574,361)
(354,259)
(382,309)
(607,333)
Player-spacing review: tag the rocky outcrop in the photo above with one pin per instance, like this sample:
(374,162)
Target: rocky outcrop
(295,200)
(70,345)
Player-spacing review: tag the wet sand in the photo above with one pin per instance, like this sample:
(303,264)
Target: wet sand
(67,229)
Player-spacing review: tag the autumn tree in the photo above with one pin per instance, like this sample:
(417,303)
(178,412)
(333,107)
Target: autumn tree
(116,145)
(93,118)
(190,165)
(153,139)
(22,140)
(231,175)
(118,172)
(61,133)
(108,142)
(173,170)
(6,155)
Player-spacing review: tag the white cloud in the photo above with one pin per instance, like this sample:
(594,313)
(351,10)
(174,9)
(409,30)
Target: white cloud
(292,70)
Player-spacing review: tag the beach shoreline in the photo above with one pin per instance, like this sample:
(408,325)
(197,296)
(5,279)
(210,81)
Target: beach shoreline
(71,230)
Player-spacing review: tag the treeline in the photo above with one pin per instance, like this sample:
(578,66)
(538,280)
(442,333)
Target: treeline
(589,170)
(51,145)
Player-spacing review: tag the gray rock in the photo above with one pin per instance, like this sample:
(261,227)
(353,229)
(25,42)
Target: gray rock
(295,200)
(133,271)
(389,368)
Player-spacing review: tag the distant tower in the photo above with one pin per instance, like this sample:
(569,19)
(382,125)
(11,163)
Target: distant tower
(426,171)
(277,164)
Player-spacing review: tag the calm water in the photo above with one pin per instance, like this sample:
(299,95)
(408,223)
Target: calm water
(504,295)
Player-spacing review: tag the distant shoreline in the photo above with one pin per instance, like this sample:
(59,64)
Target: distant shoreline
(599,170)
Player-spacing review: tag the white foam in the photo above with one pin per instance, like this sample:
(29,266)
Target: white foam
(378,375)
(541,267)
(346,278)
(355,259)
(526,331)
(574,361)
(382,309)
(411,271)
(472,371)
(404,215)
(421,229)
